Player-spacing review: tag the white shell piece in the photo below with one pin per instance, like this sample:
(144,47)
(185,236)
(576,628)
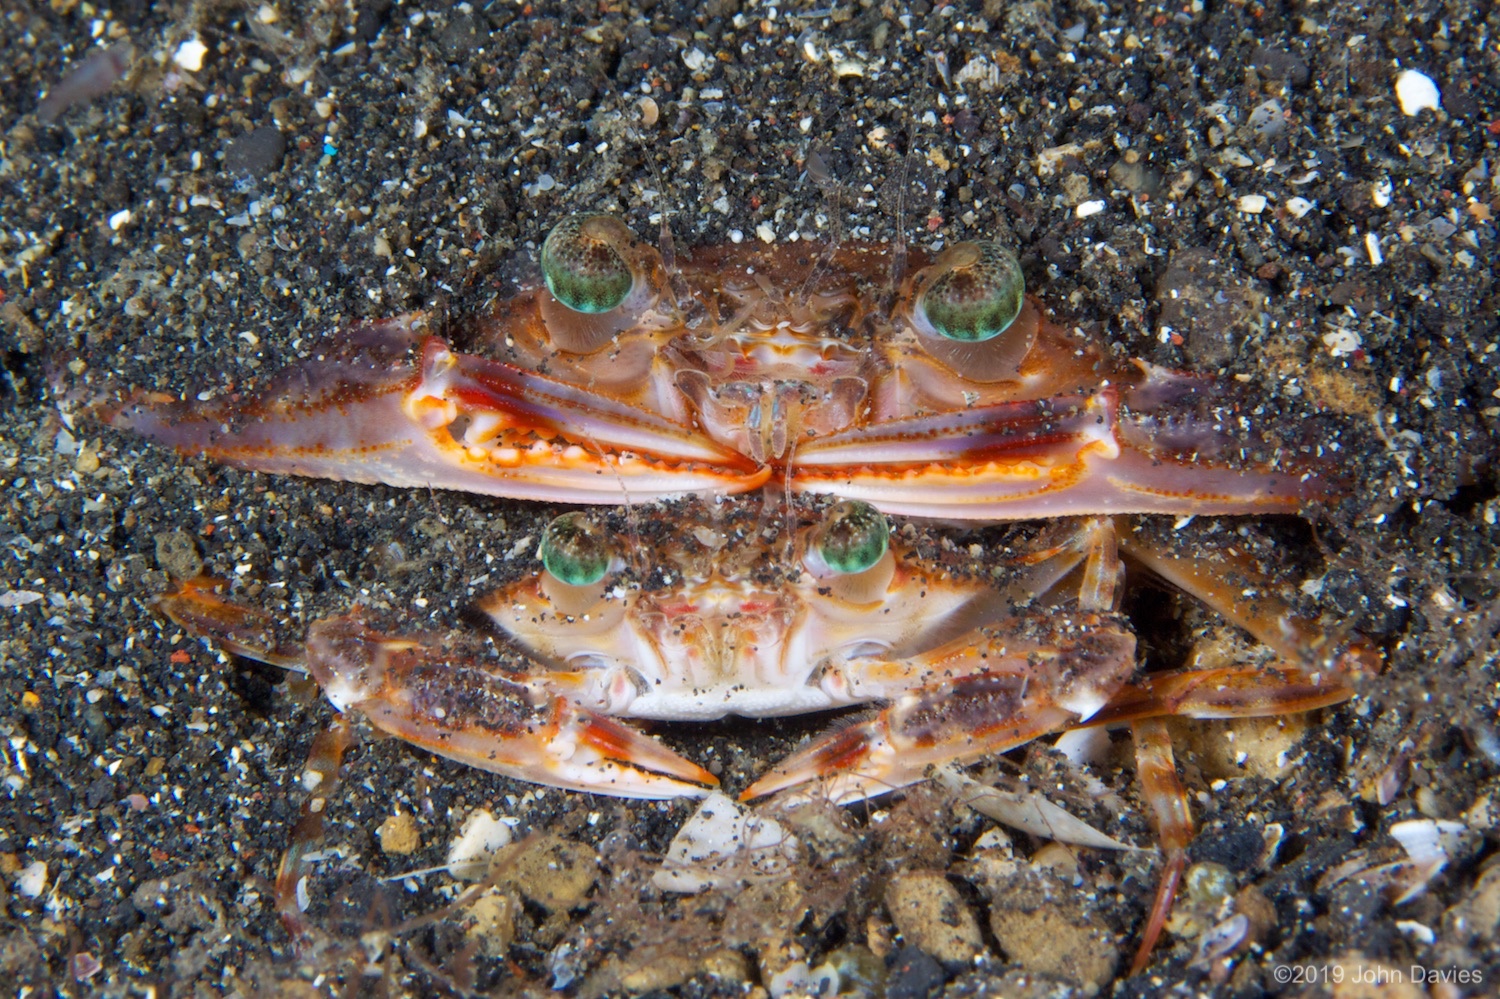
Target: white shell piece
(1028,812)
(721,845)
(1425,840)
(800,980)
(1089,208)
(481,836)
(1252,204)
(31,880)
(1083,745)
(1221,940)
(1420,932)
(1415,91)
(844,66)
(1298,207)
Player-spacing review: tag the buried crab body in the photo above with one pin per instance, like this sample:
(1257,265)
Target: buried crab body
(735,618)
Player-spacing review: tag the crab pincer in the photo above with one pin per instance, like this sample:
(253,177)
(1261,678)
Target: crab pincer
(386,403)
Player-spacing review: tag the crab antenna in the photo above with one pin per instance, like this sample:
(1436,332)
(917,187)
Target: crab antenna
(632,521)
(817,169)
(898,248)
(790,514)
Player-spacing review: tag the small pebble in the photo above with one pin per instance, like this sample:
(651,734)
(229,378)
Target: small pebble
(255,154)
(177,554)
(913,975)
(91,78)
(398,834)
(1252,204)
(1416,92)
(932,915)
(555,873)
(490,921)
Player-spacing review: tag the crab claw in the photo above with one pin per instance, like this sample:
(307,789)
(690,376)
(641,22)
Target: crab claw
(1008,690)
(388,404)
(1068,455)
(449,702)
(498,720)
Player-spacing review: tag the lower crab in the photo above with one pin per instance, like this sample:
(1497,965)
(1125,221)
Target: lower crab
(735,614)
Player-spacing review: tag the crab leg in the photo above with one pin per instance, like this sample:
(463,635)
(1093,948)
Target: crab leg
(453,704)
(1156,768)
(390,405)
(1063,456)
(1316,671)
(322,773)
(1037,672)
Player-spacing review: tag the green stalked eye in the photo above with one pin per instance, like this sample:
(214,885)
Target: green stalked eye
(583,265)
(979,294)
(854,537)
(574,551)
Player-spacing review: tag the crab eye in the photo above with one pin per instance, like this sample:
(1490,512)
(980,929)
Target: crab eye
(574,551)
(976,296)
(853,538)
(583,263)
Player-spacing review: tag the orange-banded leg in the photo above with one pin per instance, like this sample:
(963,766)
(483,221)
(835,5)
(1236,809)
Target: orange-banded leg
(320,779)
(1315,669)
(454,703)
(1162,790)
(1030,673)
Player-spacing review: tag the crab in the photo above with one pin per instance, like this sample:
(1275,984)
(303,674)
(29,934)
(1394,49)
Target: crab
(881,380)
(699,609)
(930,387)
(723,615)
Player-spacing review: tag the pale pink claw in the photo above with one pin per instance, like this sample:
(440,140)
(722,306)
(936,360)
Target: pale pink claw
(1063,456)
(392,406)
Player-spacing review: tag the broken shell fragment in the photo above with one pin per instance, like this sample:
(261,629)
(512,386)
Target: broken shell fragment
(721,845)
(482,835)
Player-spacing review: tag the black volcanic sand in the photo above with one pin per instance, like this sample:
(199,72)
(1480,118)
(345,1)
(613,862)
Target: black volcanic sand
(320,170)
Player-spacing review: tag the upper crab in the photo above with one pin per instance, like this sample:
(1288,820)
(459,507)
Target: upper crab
(934,387)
